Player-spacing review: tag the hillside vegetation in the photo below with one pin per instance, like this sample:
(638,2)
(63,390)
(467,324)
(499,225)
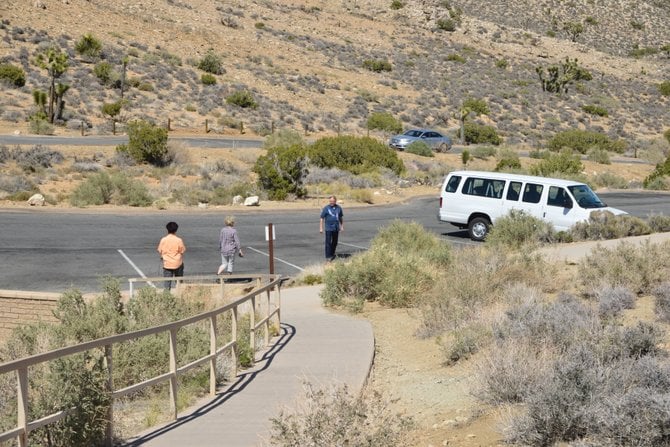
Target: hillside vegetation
(319,66)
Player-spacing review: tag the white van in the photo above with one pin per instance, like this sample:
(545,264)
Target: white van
(474,200)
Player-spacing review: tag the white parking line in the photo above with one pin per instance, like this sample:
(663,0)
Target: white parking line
(277,259)
(132,264)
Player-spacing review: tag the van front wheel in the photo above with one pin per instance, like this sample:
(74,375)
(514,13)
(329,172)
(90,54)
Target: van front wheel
(478,228)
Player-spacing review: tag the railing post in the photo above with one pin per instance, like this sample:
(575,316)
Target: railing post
(22,404)
(109,429)
(131,283)
(252,330)
(233,330)
(173,373)
(212,352)
(267,317)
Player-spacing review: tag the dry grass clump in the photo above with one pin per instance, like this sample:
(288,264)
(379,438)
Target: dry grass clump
(334,416)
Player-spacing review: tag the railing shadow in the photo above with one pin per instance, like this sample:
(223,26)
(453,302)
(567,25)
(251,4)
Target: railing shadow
(230,391)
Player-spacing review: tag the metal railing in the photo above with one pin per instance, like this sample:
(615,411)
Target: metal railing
(268,310)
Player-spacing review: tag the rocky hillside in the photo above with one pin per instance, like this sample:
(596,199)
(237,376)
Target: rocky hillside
(304,63)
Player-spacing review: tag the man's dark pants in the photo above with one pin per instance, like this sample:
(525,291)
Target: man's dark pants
(169,273)
(331,244)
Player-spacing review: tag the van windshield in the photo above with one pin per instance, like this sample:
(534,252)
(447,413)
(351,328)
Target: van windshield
(585,197)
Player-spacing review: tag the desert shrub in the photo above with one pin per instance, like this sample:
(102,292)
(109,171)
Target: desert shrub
(39,125)
(211,63)
(508,160)
(88,45)
(131,192)
(584,140)
(481,134)
(147,143)
(662,301)
(464,342)
(223,195)
(659,223)
(95,190)
(483,152)
(12,75)
(638,269)
(455,57)
(562,163)
(664,88)
(354,154)
(397,268)
(613,300)
(519,229)
(37,156)
(397,4)
(606,225)
(105,72)
(593,109)
(384,121)
(446,25)
(377,65)
(336,417)
(282,172)
(208,79)
(242,98)
(610,180)
(666,135)
(419,148)
(599,156)
(656,183)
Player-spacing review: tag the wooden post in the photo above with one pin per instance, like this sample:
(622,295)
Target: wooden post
(212,352)
(206,126)
(82,128)
(22,404)
(168,125)
(109,429)
(271,248)
(234,350)
(273,127)
(252,330)
(173,373)
(113,127)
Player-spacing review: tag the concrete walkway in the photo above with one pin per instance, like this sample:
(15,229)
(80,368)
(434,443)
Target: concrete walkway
(315,345)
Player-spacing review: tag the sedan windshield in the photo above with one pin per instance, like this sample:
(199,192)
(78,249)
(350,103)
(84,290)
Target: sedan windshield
(585,197)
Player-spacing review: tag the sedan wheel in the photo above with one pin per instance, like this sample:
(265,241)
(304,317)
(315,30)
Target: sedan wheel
(443,147)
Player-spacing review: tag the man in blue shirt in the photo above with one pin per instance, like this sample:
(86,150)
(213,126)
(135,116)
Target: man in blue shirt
(333,222)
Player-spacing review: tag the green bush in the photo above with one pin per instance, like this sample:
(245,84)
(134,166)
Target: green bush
(483,152)
(609,180)
(666,135)
(583,140)
(605,225)
(595,110)
(446,25)
(211,63)
(657,183)
(208,79)
(599,156)
(12,75)
(664,88)
(562,163)
(354,154)
(455,57)
(397,4)
(508,160)
(481,134)
(39,125)
(519,229)
(146,143)
(384,121)
(377,65)
(242,98)
(89,46)
(659,223)
(105,72)
(95,190)
(282,172)
(420,148)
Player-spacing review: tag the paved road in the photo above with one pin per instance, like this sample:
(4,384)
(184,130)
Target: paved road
(99,140)
(44,250)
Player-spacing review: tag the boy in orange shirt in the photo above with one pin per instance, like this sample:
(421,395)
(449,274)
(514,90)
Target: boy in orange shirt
(171,249)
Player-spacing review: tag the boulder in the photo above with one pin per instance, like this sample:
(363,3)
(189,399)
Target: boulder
(237,200)
(36,200)
(252,201)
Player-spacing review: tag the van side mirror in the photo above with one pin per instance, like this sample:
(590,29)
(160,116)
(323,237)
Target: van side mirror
(567,202)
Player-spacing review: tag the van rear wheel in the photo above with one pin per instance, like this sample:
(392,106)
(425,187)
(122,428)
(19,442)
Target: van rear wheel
(478,228)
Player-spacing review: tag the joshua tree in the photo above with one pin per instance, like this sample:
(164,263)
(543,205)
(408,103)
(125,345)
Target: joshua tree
(55,62)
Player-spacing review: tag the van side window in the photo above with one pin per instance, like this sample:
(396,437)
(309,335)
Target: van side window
(484,187)
(557,197)
(514,191)
(532,193)
(453,183)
